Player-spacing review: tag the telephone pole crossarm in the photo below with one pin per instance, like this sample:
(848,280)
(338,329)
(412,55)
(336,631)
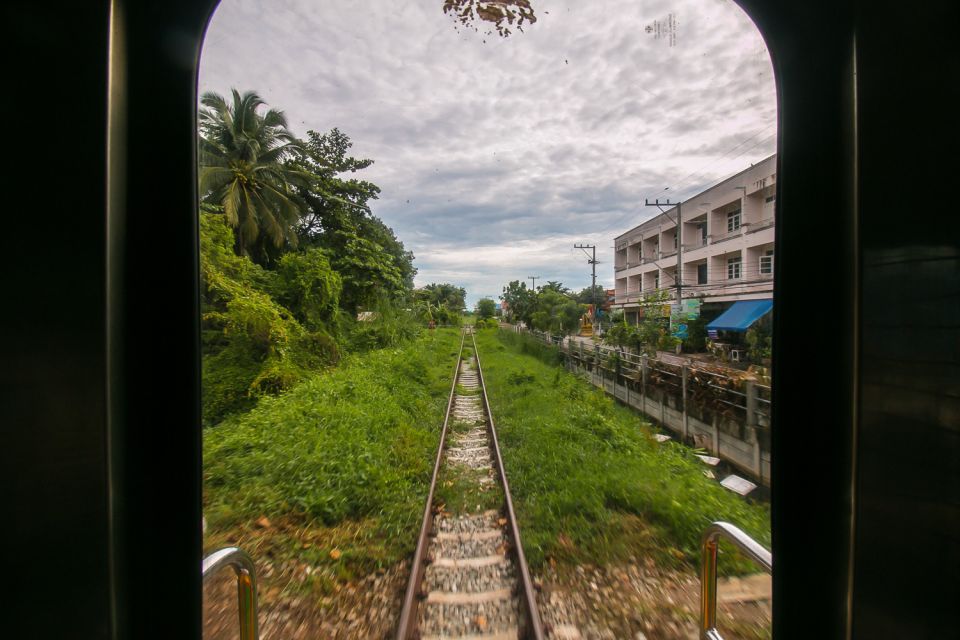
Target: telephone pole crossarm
(592,261)
(678,276)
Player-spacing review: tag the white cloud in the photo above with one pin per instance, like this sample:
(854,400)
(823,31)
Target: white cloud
(496,155)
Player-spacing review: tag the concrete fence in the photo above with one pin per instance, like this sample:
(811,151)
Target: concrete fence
(727,416)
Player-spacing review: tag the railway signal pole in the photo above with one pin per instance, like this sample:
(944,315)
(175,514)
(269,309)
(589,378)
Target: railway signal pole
(592,261)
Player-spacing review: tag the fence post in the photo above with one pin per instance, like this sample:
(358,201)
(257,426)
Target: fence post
(596,364)
(715,436)
(643,384)
(752,435)
(684,371)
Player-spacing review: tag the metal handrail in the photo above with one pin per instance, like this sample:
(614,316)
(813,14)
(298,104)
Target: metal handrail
(708,570)
(246,572)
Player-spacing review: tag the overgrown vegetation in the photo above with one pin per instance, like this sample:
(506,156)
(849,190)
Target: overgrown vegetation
(296,270)
(354,444)
(589,482)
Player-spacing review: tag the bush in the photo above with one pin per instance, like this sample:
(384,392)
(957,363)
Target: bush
(252,345)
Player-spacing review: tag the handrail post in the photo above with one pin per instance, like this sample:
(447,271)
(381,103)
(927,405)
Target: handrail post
(246,572)
(708,570)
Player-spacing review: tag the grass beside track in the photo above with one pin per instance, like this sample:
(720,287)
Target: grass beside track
(588,481)
(339,466)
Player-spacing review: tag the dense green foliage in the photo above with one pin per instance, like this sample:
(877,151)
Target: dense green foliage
(551,307)
(441,303)
(356,442)
(486,308)
(651,333)
(588,481)
(290,254)
(252,344)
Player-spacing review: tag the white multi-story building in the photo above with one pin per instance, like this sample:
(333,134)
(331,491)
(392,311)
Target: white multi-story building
(726,235)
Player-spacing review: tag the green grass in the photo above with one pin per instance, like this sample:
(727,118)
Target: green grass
(589,482)
(351,445)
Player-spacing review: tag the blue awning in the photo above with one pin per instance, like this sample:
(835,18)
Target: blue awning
(741,315)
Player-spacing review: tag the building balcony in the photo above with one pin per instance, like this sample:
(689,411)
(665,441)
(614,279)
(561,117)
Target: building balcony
(624,297)
(714,238)
(760,225)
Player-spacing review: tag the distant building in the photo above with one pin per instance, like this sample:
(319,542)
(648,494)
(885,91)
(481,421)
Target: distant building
(727,239)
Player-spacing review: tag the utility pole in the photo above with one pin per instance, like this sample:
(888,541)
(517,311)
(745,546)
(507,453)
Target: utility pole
(679,221)
(592,261)
(533,279)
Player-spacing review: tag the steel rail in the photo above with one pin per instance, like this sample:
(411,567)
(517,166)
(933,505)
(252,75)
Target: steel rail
(533,615)
(408,618)
(246,572)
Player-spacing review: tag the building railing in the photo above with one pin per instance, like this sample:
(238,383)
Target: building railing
(708,570)
(246,572)
(759,225)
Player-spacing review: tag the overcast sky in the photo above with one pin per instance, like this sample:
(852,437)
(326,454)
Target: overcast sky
(496,155)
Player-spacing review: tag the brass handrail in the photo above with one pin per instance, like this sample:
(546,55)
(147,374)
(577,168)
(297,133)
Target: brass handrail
(243,566)
(708,570)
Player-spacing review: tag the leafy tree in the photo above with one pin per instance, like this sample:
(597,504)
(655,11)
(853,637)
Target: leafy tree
(242,172)
(486,308)
(338,214)
(553,285)
(592,295)
(443,293)
(556,313)
(309,287)
(696,340)
(441,302)
(370,276)
(520,301)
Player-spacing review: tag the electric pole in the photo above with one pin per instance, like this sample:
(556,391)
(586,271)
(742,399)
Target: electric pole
(533,279)
(678,277)
(592,261)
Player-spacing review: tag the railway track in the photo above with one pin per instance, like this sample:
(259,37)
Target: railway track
(469,578)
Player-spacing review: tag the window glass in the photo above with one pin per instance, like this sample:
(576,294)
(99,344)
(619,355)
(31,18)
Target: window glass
(733,268)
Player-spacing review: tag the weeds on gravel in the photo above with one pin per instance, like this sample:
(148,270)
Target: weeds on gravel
(354,443)
(588,481)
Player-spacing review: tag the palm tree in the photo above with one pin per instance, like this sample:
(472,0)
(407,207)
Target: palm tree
(242,170)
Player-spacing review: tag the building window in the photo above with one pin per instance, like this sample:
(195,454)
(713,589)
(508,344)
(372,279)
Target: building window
(702,273)
(770,199)
(733,268)
(656,281)
(675,236)
(703,233)
(766,262)
(733,221)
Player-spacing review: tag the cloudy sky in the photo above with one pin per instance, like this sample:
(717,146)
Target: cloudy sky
(496,155)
